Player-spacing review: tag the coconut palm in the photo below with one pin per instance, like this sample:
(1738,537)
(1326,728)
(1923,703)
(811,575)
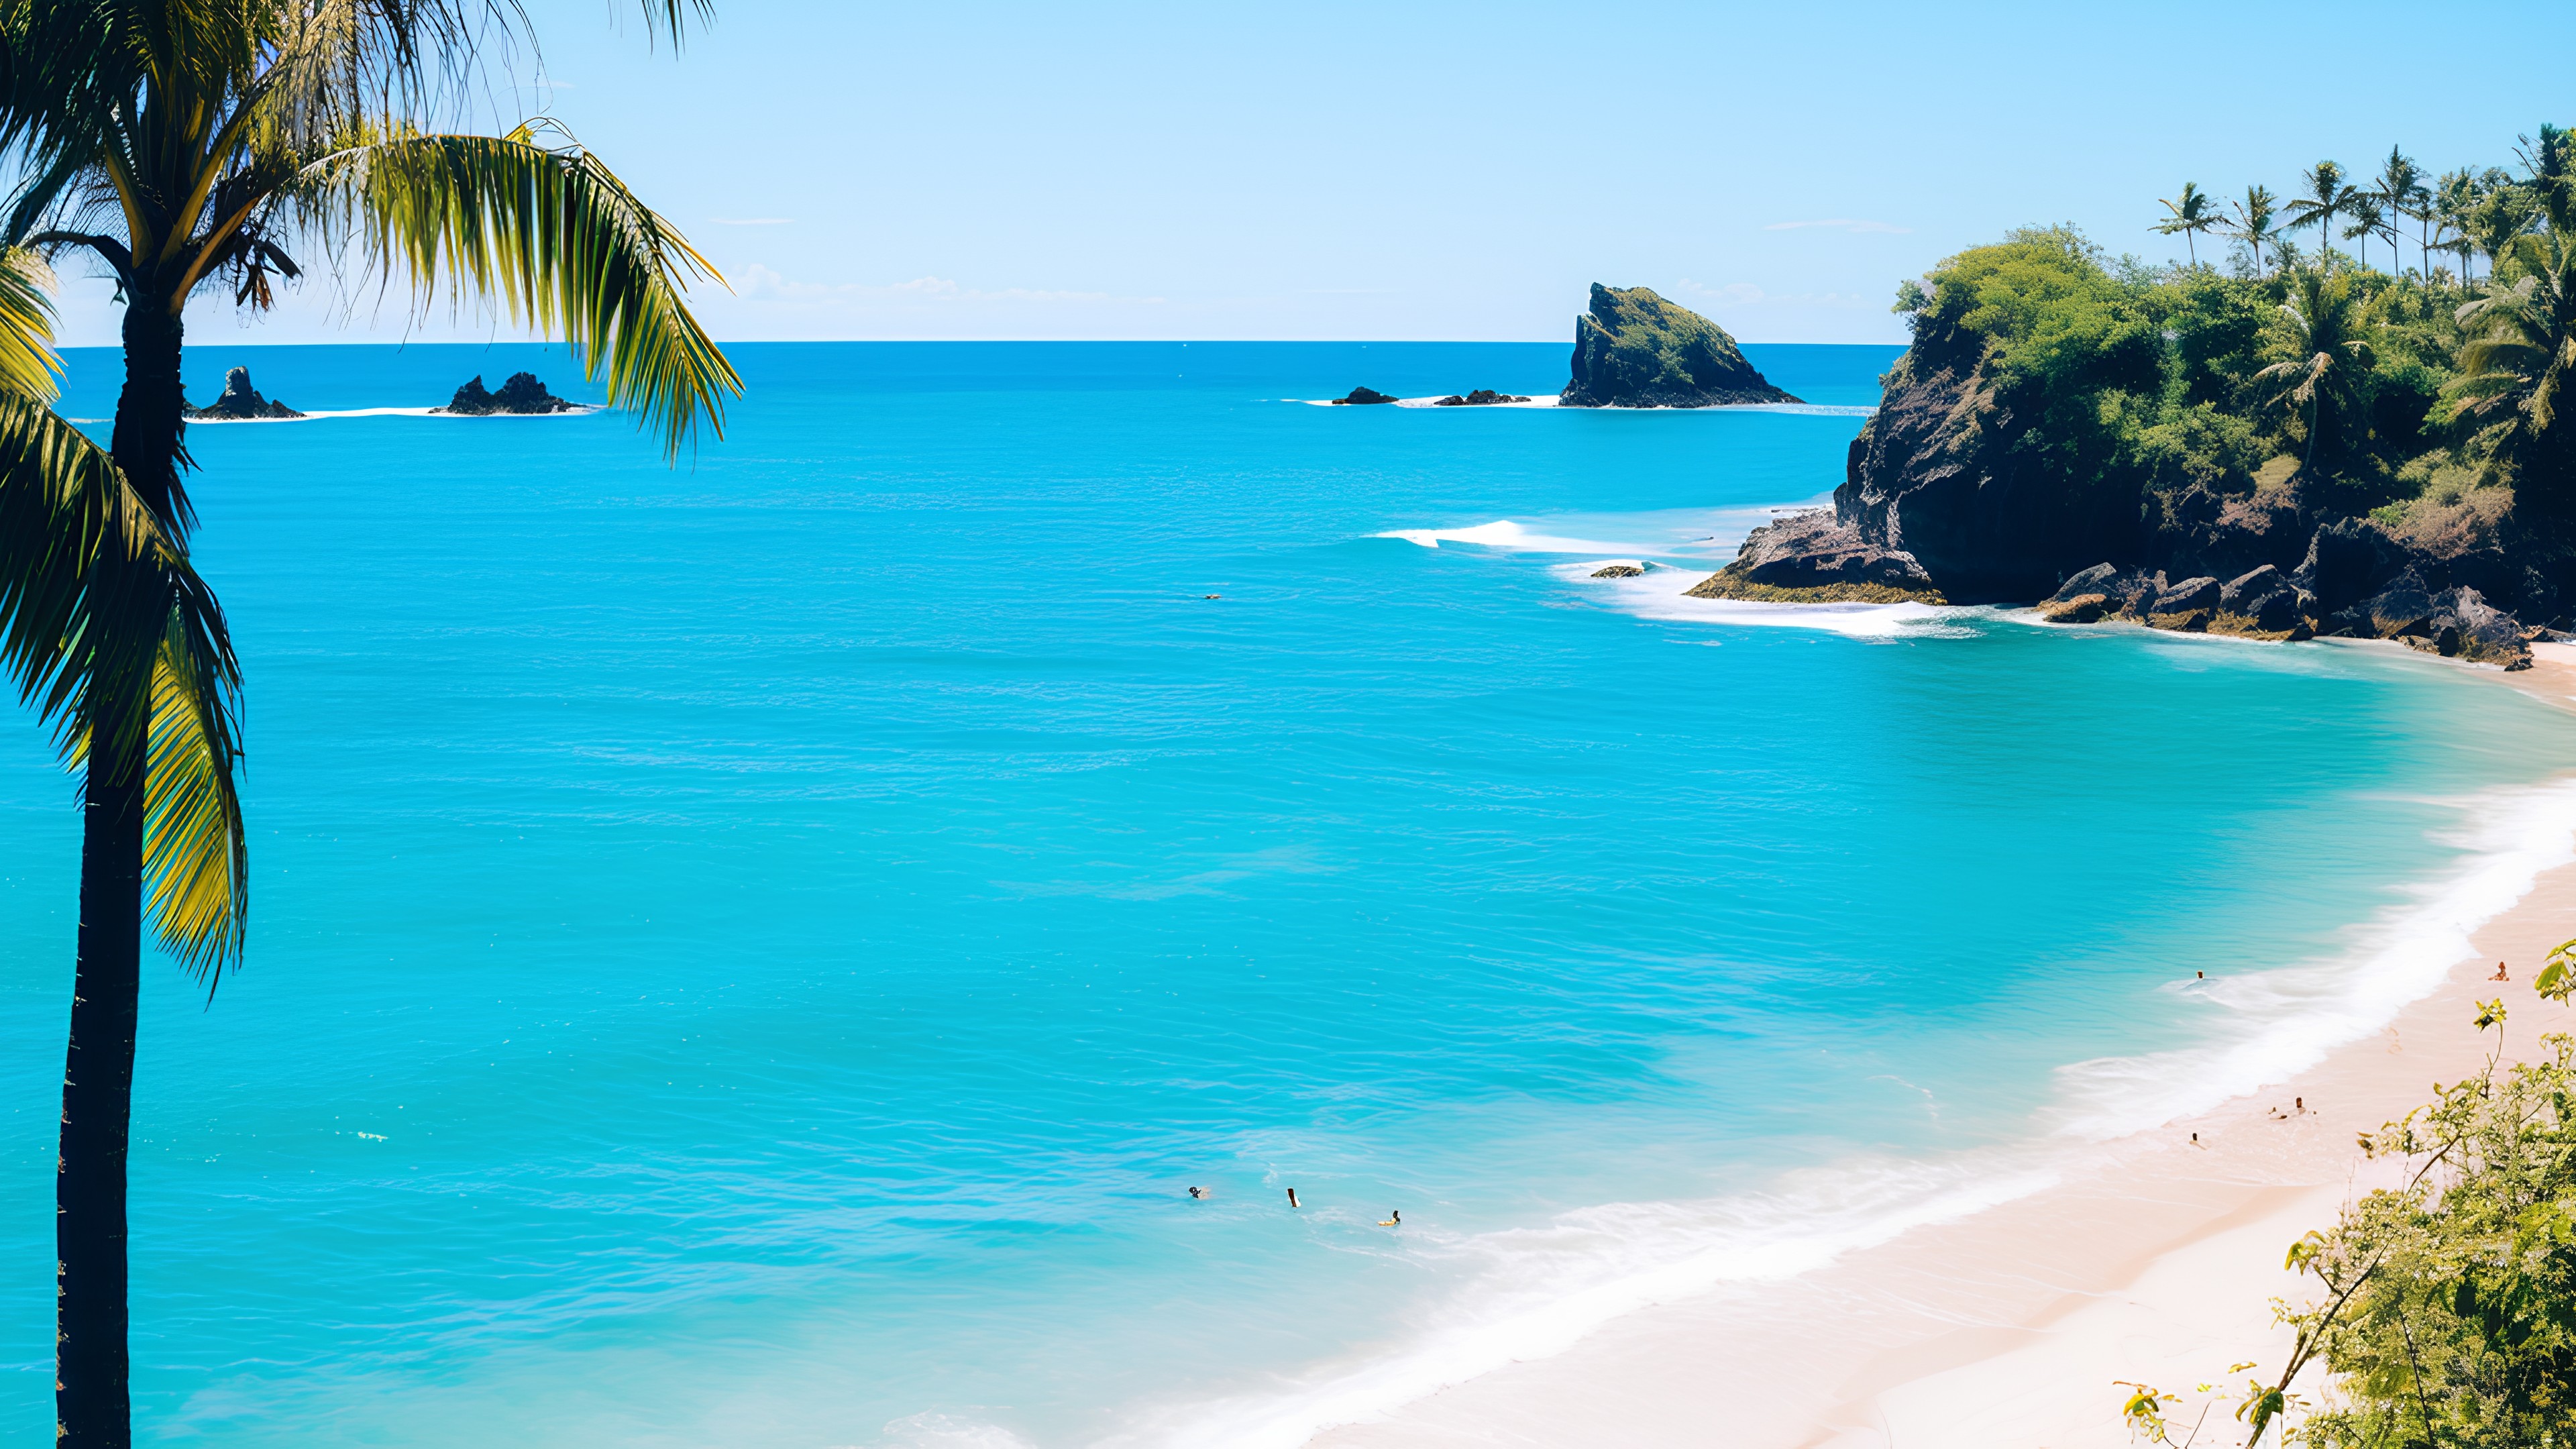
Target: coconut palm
(2505,210)
(2395,194)
(2328,197)
(2324,364)
(2190,215)
(2521,349)
(2455,196)
(2253,224)
(187,145)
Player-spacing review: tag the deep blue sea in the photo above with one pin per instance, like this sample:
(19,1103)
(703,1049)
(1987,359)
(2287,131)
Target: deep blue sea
(753,953)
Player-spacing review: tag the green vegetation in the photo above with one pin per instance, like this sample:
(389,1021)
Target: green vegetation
(2446,1310)
(185,147)
(2432,401)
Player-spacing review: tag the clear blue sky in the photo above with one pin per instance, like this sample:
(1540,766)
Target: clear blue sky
(1457,171)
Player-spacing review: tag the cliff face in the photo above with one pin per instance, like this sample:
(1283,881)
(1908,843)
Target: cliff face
(1947,472)
(1634,349)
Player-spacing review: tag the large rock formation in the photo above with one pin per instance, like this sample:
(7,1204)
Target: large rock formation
(241,400)
(1634,349)
(1816,557)
(1362,395)
(522,395)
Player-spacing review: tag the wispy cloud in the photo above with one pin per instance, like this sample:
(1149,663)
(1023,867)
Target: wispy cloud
(1841,223)
(753,220)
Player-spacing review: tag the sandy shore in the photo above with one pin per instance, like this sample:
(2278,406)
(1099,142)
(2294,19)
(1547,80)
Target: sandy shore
(2152,1259)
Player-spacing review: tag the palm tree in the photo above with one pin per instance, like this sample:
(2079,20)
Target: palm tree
(2253,224)
(2396,192)
(2505,210)
(2324,364)
(2328,197)
(2193,214)
(2521,348)
(188,145)
(2454,198)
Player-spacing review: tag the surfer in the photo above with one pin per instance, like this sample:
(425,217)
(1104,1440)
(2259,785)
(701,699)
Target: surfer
(1394,1218)
(1292,1198)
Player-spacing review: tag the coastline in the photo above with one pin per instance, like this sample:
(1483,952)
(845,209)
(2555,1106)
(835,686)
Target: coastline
(2147,1259)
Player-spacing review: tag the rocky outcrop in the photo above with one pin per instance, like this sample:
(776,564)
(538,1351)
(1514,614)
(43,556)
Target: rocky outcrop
(1483,397)
(1815,557)
(1362,395)
(1620,571)
(521,396)
(240,400)
(1634,349)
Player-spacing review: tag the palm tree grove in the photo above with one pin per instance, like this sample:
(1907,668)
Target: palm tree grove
(177,150)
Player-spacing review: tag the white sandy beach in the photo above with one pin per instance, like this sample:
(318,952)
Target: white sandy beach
(2151,1260)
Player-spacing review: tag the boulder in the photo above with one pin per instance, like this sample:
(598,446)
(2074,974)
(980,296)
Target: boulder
(2463,625)
(1815,558)
(1483,397)
(2186,605)
(2348,560)
(241,400)
(521,396)
(1634,349)
(2405,606)
(2085,581)
(2262,604)
(2081,609)
(1619,571)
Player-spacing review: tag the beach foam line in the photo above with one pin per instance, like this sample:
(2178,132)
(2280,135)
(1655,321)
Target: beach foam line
(1544,1289)
(2286,1020)
(1506,534)
(1659,595)
(320,413)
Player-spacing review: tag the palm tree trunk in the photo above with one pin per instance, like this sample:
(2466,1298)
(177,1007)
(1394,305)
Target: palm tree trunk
(90,1400)
(92,1405)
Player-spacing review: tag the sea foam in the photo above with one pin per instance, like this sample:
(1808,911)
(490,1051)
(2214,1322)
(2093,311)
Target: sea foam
(1537,1291)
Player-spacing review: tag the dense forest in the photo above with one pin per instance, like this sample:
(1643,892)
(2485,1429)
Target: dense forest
(2392,348)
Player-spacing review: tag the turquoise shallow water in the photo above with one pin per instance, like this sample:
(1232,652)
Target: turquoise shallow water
(752,954)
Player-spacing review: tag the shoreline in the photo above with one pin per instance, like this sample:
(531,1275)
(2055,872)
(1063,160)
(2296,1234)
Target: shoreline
(2148,1258)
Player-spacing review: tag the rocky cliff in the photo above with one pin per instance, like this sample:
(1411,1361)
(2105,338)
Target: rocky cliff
(1949,496)
(1634,349)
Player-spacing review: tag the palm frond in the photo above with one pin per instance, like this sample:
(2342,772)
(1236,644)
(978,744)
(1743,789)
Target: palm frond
(196,859)
(553,234)
(27,363)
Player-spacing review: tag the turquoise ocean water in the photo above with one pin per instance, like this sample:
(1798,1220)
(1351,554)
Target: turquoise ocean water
(753,953)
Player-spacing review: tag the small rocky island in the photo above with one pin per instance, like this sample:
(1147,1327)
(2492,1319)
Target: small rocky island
(1361,396)
(521,396)
(1483,397)
(1636,350)
(241,401)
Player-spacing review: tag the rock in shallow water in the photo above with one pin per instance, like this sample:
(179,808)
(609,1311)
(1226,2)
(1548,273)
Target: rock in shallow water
(1483,397)
(1634,349)
(1619,571)
(1815,558)
(1362,395)
(521,396)
(241,400)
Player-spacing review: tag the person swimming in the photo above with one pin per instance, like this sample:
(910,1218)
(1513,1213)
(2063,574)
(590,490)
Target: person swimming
(1198,1192)
(1394,1219)
(1292,1199)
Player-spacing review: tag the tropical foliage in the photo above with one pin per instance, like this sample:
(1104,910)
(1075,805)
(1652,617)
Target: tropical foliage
(2434,400)
(2444,1315)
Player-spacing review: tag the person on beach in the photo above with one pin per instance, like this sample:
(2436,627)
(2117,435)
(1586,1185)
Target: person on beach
(2500,973)
(1292,1198)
